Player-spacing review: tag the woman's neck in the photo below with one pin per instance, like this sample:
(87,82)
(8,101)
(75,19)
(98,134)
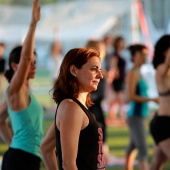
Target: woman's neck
(137,66)
(82,98)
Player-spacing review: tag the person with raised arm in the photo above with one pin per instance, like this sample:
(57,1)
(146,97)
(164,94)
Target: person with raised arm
(25,113)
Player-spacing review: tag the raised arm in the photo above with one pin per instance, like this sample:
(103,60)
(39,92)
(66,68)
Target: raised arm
(47,149)
(27,53)
(5,131)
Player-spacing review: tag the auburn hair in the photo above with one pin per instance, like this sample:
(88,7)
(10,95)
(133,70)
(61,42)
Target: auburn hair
(66,84)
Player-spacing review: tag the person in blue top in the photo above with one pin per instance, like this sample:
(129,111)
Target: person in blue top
(137,94)
(25,113)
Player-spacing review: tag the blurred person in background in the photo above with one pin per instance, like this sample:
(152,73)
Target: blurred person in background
(99,95)
(160,124)
(56,55)
(138,110)
(116,77)
(108,41)
(76,135)
(55,61)
(26,114)
(2,69)
(54,64)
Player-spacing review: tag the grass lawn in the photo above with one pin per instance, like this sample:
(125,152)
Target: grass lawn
(117,141)
(117,136)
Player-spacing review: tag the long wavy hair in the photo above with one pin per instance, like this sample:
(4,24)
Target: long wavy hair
(66,84)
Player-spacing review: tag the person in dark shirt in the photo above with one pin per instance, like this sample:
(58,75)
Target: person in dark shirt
(2,60)
(98,95)
(117,70)
(2,69)
(76,135)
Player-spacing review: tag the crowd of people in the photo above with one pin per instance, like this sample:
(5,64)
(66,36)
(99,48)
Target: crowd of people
(82,80)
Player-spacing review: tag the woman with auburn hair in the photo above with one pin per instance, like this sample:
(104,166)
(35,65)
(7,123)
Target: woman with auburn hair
(75,134)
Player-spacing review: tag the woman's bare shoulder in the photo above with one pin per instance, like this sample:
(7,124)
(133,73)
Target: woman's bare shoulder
(68,107)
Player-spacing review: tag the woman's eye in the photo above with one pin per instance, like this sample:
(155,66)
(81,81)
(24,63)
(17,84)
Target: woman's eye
(94,69)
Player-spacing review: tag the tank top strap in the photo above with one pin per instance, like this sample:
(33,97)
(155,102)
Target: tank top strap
(80,104)
(87,112)
(56,113)
(90,115)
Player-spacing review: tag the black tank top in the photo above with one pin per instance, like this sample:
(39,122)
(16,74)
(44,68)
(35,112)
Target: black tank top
(121,66)
(2,66)
(90,155)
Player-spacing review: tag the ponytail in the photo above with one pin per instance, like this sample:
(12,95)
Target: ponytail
(9,74)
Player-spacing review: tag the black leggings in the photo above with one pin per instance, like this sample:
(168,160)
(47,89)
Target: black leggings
(16,159)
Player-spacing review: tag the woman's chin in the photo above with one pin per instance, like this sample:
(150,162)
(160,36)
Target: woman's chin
(94,89)
(31,77)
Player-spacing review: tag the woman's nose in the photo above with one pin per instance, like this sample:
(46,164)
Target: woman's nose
(33,64)
(100,75)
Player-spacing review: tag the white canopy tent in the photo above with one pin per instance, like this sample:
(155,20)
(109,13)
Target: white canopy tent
(77,21)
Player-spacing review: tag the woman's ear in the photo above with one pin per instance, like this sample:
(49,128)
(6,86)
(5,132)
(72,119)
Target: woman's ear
(73,70)
(14,66)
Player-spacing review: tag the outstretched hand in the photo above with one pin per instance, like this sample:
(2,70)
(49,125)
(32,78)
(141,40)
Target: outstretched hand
(156,100)
(35,12)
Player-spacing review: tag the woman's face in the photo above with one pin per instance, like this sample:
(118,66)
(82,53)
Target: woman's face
(121,45)
(89,75)
(167,52)
(141,56)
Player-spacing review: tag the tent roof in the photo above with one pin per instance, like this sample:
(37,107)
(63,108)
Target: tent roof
(74,19)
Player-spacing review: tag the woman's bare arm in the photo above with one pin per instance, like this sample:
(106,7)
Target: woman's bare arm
(5,131)
(70,122)
(47,149)
(27,53)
